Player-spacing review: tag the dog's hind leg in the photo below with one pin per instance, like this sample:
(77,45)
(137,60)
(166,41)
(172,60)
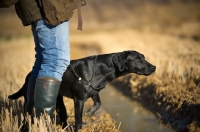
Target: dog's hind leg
(61,110)
(95,107)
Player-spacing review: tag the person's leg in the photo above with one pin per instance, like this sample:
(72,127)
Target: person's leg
(52,49)
(52,58)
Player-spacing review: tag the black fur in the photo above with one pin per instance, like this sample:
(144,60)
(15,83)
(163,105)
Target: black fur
(85,77)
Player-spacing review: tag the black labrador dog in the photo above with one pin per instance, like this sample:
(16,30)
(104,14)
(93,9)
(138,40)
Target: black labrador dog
(85,77)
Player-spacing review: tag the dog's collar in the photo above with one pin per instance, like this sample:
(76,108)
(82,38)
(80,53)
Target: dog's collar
(80,79)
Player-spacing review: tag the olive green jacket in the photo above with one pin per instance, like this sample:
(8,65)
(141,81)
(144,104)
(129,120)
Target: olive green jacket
(7,3)
(54,11)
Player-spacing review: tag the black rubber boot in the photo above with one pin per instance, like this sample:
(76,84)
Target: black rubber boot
(46,92)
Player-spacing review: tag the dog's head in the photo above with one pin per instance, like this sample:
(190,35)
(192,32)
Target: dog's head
(133,62)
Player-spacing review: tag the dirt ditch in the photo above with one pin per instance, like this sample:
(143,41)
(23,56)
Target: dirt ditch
(177,105)
(173,91)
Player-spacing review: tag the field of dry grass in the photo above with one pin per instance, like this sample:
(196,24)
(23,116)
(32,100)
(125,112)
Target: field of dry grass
(17,57)
(168,34)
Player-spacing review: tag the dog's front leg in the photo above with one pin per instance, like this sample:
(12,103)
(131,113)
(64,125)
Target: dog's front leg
(78,104)
(95,107)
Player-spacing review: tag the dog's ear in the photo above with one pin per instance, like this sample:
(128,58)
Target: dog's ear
(119,61)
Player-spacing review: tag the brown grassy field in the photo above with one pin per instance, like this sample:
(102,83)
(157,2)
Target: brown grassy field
(17,57)
(167,33)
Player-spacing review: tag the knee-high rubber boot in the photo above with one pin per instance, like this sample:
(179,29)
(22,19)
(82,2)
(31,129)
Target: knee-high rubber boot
(30,101)
(45,95)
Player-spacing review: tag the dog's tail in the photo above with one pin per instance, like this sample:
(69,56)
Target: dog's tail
(22,91)
(16,95)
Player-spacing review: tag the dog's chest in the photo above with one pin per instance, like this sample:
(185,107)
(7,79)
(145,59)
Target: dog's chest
(92,92)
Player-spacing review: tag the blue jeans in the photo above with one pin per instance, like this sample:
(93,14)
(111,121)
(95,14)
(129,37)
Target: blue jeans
(52,49)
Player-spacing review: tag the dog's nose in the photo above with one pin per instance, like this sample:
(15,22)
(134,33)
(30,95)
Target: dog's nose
(153,68)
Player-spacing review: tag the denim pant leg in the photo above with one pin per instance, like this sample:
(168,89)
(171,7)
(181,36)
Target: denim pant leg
(52,49)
